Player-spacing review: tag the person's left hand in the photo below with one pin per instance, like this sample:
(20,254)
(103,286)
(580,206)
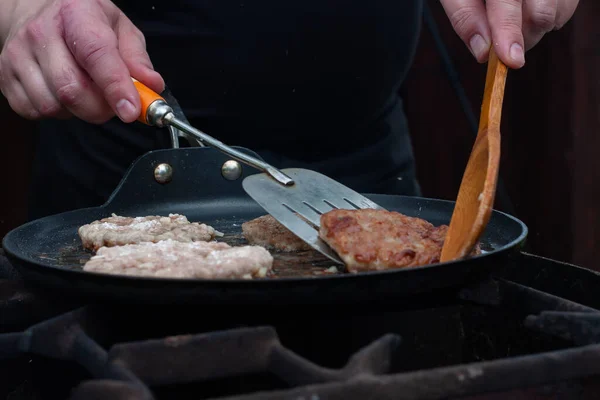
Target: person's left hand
(515,25)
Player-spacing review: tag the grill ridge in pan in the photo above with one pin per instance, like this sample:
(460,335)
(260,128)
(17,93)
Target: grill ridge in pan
(47,251)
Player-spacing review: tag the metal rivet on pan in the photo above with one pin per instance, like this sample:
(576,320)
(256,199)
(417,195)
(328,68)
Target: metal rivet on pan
(163,173)
(231,170)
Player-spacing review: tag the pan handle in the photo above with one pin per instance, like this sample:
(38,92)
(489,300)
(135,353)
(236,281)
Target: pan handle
(147,97)
(177,133)
(195,179)
(157,112)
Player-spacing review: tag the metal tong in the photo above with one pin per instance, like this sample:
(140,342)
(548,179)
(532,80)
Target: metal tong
(157,111)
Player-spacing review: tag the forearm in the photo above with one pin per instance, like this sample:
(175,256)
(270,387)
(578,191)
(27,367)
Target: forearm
(15,11)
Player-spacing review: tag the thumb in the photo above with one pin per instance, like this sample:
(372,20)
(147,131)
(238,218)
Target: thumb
(132,46)
(506,23)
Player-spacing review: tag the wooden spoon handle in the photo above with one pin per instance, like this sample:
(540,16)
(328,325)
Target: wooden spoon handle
(493,96)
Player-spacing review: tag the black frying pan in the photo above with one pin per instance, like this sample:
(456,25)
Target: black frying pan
(48,251)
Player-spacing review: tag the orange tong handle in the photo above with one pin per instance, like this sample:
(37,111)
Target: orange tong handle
(147,97)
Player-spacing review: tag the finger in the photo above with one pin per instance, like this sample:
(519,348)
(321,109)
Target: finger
(539,18)
(93,43)
(469,20)
(18,100)
(564,12)
(74,89)
(506,23)
(38,92)
(132,47)
(10,85)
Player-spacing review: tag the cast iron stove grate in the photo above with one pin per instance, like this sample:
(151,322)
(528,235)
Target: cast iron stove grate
(524,343)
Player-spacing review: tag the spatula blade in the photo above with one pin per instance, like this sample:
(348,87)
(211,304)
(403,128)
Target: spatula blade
(299,207)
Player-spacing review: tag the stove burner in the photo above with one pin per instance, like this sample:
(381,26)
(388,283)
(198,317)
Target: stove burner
(128,368)
(140,369)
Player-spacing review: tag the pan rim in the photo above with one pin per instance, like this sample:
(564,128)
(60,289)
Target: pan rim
(35,263)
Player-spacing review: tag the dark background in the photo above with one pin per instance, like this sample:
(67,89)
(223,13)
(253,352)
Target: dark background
(550,137)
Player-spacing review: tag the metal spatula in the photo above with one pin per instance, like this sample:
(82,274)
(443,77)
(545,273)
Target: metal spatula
(295,197)
(298,207)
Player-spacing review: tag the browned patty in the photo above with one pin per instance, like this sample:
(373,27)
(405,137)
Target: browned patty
(119,231)
(267,232)
(370,240)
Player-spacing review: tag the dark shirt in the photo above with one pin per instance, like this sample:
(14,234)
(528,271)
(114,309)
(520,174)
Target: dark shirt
(309,83)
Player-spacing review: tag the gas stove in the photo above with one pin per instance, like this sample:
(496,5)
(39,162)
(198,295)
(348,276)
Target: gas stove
(531,333)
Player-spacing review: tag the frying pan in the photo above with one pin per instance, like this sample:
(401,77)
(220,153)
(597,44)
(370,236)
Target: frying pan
(48,252)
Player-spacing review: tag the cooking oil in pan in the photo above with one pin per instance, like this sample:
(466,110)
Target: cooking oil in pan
(285,264)
(296,264)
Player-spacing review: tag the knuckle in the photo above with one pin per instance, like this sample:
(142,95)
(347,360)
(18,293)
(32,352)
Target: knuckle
(134,54)
(506,4)
(89,44)
(69,94)
(543,18)
(68,4)
(511,26)
(463,20)
(72,96)
(34,30)
(12,52)
(91,51)
(112,83)
(67,10)
(507,13)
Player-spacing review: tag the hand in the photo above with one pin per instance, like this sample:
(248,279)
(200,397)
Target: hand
(515,25)
(74,57)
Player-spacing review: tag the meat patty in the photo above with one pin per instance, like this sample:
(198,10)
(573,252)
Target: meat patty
(267,232)
(174,259)
(118,231)
(371,240)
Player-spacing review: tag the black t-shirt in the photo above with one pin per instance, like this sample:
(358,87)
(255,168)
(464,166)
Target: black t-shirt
(304,83)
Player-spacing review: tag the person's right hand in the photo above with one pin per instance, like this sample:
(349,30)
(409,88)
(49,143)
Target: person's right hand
(75,57)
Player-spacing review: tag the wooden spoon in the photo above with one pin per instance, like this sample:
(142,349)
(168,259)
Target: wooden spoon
(478,187)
